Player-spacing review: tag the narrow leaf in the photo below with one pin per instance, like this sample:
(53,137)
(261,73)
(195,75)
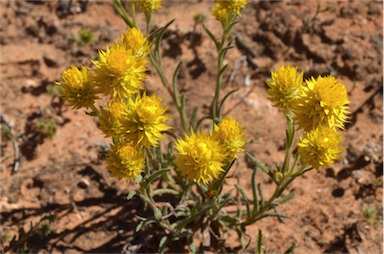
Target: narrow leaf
(285,198)
(193,118)
(290,249)
(120,9)
(254,192)
(259,241)
(225,98)
(211,36)
(154,176)
(259,164)
(131,194)
(163,242)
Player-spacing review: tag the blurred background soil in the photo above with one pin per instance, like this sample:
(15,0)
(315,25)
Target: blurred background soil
(52,157)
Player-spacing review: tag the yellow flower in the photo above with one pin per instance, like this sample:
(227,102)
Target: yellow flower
(125,161)
(230,135)
(223,8)
(200,157)
(148,6)
(285,87)
(144,120)
(134,40)
(110,118)
(320,147)
(77,89)
(119,73)
(323,102)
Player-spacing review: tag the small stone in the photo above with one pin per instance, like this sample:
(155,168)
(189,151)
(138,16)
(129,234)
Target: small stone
(83,183)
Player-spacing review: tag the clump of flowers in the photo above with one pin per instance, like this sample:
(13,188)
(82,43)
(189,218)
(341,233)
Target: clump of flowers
(133,120)
(77,87)
(320,106)
(125,161)
(285,87)
(323,102)
(148,6)
(200,157)
(230,135)
(110,118)
(225,10)
(144,120)
(119,73)
(320,147)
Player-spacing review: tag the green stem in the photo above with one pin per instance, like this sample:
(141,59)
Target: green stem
(263,208)
(133,12)
(148,17)
(219,78)
(290,135)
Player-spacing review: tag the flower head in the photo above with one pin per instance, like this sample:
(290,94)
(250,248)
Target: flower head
(125,161)
(320,147)
(200,157)
(230,135)
(285,87)
(110,118)
(77,87)
(144,120)
(134,40)
(119,72)
(223,8)
(148,6)
(323,102)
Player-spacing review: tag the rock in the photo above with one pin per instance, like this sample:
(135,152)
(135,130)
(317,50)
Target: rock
(83,183)
(321,52)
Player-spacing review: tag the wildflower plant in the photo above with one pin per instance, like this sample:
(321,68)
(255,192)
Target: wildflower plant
(193,171)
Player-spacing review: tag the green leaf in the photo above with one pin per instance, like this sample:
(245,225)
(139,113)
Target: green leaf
(279,215)
(163,242)
(254,192)
(181,224)
(224,51)
(290,249)
(154,176)
(225,98)
(159,192)
(192,247)
(144,223)
(157,213)
(161,34)
(120,9)
(193,118)
(160,30)
(261,194)
(175,77)
(230,219)
(259,164)
(221,71)
(285,198)
(211,36)
(246,199)
(131,194)
(259,241)
(229,28)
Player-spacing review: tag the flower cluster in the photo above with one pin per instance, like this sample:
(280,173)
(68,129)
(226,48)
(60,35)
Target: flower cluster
(320,107)
(224,10)
(203,156)
(134,120)
(148,6)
